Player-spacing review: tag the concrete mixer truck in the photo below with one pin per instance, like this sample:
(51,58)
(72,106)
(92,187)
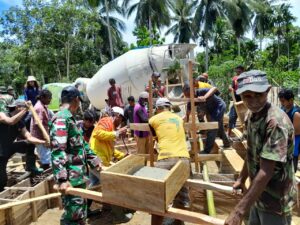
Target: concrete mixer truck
(133,70)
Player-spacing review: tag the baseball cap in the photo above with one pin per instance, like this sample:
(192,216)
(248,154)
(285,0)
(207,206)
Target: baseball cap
(156,74)
(10,88)
(69,93)
(144,94)
(2,89)
(118,110)
(253,80)
(163,102)
(17,102)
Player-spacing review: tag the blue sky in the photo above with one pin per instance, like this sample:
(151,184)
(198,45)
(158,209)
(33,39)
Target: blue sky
(128,37)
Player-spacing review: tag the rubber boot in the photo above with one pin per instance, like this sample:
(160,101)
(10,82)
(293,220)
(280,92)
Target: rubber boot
(30,165)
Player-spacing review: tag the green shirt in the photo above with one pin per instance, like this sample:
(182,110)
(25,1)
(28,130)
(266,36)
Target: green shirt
(270,136)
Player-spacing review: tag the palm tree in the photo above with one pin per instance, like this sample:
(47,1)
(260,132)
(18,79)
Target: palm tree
(283,19)
(206,16)
(222,35)
(263,21)
(149,13)
(112,5)
(239,14)
(183,17)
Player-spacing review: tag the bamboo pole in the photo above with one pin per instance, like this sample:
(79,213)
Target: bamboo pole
(193,114)
(209,193)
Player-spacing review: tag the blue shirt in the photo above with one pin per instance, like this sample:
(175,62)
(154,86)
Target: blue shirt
(31,94)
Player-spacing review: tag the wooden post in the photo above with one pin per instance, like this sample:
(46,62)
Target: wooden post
(150,100)
(33,207)
(39,123)
(193,114)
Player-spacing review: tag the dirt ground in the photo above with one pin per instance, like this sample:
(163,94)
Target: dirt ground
(52,216)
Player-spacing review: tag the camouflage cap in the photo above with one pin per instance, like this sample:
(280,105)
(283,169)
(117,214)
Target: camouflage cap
(253,80)
(18,102)
(3,89)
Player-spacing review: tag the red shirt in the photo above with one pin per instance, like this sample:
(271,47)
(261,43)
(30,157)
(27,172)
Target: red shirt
(115,97)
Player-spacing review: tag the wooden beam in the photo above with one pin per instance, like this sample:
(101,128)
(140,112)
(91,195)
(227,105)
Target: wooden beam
(139,126)
(193,115)
(27,201)
(187,126)
(210,157)
(200,185)
(179,214)
(202,126)
(234,160)
(151,147)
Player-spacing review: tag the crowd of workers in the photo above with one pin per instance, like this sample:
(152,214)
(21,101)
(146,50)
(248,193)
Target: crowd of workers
(78,150)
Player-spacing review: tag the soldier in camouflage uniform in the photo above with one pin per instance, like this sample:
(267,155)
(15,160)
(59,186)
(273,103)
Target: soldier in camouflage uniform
(269,163)
(70,155)
(5,99)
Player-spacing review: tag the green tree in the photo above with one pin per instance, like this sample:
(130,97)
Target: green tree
(107,7)
(205,18)
(263,22)
(239,14)
(142,35)
(183,18)
(150,13)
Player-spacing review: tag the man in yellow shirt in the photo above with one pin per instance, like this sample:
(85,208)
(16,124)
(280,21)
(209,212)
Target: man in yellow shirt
(168,128)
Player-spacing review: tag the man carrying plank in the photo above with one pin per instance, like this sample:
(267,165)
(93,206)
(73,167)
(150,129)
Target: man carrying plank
(70,156)
(269,163)
(168,128)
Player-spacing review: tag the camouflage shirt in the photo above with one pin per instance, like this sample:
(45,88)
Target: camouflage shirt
(70,153)
(5,99)
(270,136)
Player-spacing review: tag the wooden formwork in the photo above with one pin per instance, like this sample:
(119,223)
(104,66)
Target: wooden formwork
(27,213)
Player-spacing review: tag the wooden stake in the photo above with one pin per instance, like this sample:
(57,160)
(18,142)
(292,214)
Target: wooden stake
(151,150)
(193,114)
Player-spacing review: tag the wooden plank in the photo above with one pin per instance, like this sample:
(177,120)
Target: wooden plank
(27,201)
(210,157)
(175,180)
(180,214)
(139,126)
(202,126)
(146,194)
(200,185)
(129,164)
(234,160)
(187,126)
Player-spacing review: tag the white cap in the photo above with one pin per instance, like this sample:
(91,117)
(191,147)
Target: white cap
(31,78)
(118,110)
(144,94)
(163,102)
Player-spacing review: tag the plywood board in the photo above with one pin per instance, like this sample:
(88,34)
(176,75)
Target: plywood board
(138,192)
(174,182)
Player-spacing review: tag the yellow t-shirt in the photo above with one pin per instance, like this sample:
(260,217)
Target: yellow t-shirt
(203,85)
(171,136)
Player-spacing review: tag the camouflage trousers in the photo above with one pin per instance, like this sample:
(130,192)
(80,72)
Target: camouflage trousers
(75,209)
